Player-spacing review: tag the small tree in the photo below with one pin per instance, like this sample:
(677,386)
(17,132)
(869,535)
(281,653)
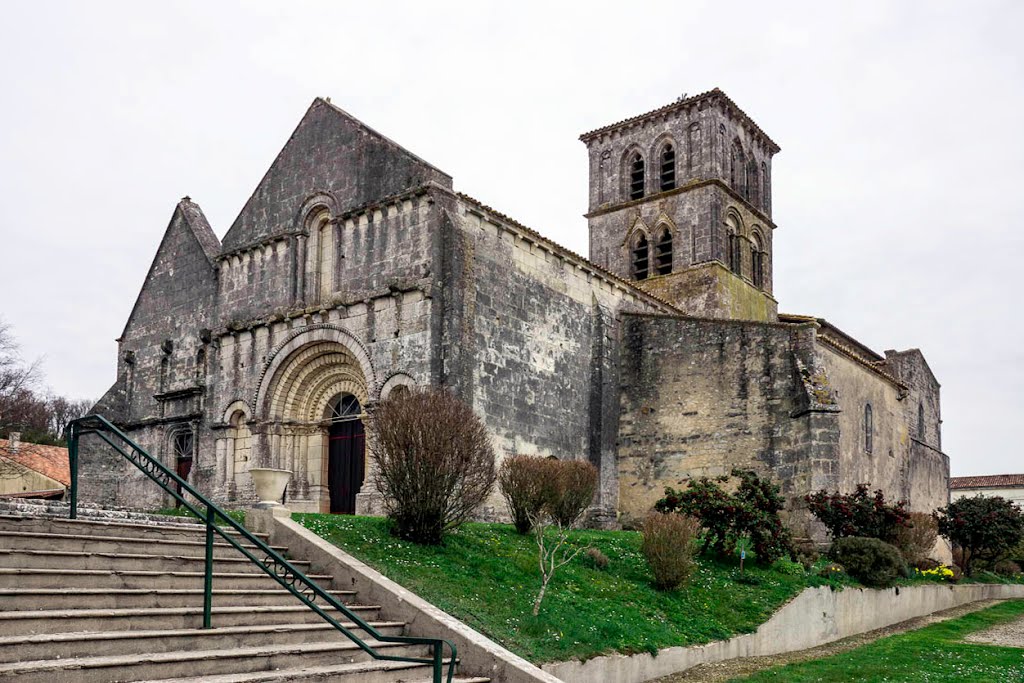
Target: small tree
(668,546)
(858,513)
(524,482)
(571,488)
(434,462)
(985,528)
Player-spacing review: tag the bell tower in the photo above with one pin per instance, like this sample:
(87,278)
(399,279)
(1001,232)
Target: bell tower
(681,204)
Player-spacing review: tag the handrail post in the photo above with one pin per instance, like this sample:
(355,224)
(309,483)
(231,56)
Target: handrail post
(208,577)
(73,466)
(438,656)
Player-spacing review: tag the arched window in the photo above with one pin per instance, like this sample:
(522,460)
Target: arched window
(636,177)
(752,185)
(757,261)
(733,255)
(663,253)
(641,259)
(869,428)
(668,167)
(920,421)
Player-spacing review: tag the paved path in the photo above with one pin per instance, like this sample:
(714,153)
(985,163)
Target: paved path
(724,671)
(1010,634)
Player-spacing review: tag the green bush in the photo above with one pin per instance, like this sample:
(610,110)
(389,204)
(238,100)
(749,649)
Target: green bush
(753,511)
(858,513)
(873,562)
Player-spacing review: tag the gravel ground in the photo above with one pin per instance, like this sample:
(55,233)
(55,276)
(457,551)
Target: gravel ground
(724,671)
(1010,634)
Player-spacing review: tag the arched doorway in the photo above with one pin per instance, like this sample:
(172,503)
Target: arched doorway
(346,452)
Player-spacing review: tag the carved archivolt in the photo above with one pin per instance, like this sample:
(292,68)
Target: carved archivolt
(309,369)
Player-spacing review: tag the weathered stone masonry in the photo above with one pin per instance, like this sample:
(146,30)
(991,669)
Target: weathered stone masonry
(355,268)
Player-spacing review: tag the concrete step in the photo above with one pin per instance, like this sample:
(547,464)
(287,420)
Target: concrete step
(27,622)
(364,672)
(87,511)
(199,663)
(24,648)
(53,559)
(92,527)
(19,599)
(109,578)
(30,540)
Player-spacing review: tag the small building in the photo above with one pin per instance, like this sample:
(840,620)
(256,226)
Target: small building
(31,470)
(1008,486)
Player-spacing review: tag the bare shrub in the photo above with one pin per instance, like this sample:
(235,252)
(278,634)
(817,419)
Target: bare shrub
(525,484)
(434,462)
(576,483)
(569,492)
(668,545)
(916,540)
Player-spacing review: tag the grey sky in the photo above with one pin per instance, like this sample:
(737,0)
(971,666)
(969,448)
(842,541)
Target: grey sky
(897,192)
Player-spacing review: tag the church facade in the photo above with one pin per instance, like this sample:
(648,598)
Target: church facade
(356,269)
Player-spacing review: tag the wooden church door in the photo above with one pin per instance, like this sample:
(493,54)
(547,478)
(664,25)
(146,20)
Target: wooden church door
(346,454)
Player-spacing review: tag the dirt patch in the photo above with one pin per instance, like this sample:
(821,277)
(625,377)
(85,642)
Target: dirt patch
(1010,634)
(724,671)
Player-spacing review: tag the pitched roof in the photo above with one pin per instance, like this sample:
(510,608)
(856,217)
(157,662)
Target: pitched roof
(196,220)
(49,461)
(987,481)
(713,95)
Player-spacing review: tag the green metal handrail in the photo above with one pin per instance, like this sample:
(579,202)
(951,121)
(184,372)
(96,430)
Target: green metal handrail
(275,566)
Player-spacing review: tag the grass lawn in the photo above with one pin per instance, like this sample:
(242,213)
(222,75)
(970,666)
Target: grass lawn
(928,655)
(487,576)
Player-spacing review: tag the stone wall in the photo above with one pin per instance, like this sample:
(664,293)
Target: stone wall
(531,337)
(700,397)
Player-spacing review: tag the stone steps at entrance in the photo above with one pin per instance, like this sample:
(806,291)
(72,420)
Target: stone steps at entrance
(120,598)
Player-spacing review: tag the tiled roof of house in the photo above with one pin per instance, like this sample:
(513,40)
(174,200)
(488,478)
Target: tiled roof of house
(987,481)
(49,461)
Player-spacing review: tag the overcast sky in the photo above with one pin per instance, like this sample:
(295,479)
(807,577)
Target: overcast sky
(898,191)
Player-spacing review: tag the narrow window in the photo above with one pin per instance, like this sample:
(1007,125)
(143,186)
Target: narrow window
(668,168)
(640,258)
(733,244)
(752,185)
(757,262)
(765,204)
(920,421)
(663,253)
(869,428)
(636,177)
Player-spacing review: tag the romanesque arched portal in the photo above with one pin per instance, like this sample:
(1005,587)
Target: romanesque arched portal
(310,406)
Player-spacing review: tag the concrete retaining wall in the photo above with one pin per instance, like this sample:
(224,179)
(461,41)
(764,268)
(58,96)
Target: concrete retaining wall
(815,617)
(478,654)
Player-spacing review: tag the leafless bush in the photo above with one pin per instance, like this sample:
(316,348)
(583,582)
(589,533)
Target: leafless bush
(668,545)
(596,559)
(434,462)
(525,484)
(916,541)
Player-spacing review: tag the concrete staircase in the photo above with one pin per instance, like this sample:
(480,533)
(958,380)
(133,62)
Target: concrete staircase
(96,601)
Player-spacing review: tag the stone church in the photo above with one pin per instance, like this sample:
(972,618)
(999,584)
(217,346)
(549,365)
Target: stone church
(356,269)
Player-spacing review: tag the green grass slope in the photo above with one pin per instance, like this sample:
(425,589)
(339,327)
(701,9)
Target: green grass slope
(488,576)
